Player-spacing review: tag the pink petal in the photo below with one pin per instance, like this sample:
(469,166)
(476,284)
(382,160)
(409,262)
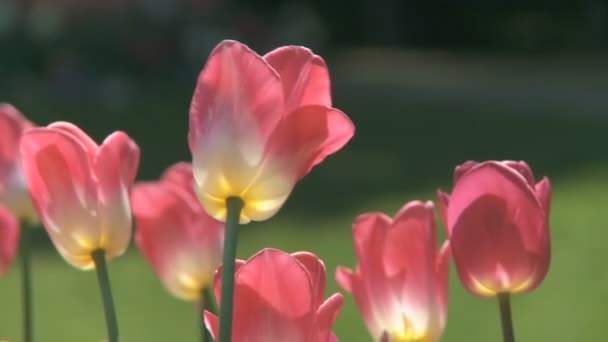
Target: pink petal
(237,93)
(443,201)
(523,168)
(442,280)
(78,134)
(345,278)
(183,247)
(304,77)
(370,288)
(9,239)
(409,261)
(180,174)
(327,314)
(352,283)
(116,164)
(317,273)
(217,278)
(117,161)
(463,169)
(307,136)
(213,324)
(493,179)
(57,169)
(160,226)
(273,299)
(281,280)
(489,247)
(369,234)
(12,126)
(543,191)
(362,292)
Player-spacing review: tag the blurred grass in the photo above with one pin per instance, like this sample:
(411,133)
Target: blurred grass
(569,305)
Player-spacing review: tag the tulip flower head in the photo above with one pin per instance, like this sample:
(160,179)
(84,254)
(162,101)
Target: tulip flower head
(80,189)
(401,280)
(258,125)
(13,190)
(179,239)
(9,239)
(497,220)
(279,297)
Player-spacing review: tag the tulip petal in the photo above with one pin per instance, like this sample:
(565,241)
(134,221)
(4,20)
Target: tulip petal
(351,282)
(213,324)
(497,180)
(180,175)
(116,163)
(304,77)
(58,171)
(9,239)
(236,87)
(307,136)
(317,273)
(543,191)
(237,104)
(182,246)
(370,287)
(498,226)
(499,246)
(12,125)
(344,278)
(89,144)
(443,201)
(273,299)
(301,141)
(523,168)
(409,261)
(442,280)
(327,315)
(217,279)
(463,169)
(13,190)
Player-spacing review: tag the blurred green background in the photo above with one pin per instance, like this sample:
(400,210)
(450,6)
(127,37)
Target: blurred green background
(428,85)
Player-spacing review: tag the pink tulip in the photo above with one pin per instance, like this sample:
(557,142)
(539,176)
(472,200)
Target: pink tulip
(280,297)
(183,244)
(259,124)
(81,190)
(9,239)
(497,220)
(13,191)
(401,281)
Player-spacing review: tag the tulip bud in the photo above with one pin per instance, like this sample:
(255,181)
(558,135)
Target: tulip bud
(258,125)
(178,238)
(497,220)
(80,189)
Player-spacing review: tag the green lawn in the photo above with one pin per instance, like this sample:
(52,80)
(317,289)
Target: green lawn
(569,305)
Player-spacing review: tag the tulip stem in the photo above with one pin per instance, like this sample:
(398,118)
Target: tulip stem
(99,258)
(26,281)
(206,303)
(504,303)
(234,205)
(210,304)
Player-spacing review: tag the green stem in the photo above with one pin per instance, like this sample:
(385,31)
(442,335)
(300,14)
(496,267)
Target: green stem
(504,303)
(205,303)
(234,205)
(209,299)
(106,294)
(26,281)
